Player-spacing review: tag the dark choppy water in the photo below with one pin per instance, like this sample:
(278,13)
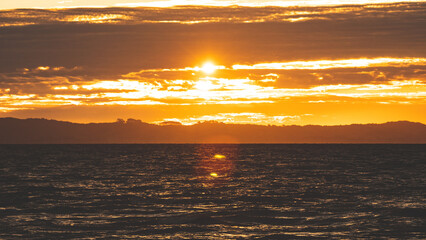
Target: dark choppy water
(186,192)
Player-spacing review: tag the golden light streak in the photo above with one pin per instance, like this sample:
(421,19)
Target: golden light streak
(341,63)
(101,18)
(198,15)
(124,103)
(299,65)
(186,69)
(11,109)
(43,68)
(200,90)
(211,91)
(17,24)
(239,118)
(171,3)
(278,3)
(119,84)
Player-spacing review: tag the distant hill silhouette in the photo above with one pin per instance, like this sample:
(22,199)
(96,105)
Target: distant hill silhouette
(41,131)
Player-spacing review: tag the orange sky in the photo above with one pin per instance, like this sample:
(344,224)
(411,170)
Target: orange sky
(169,3)
(260,65)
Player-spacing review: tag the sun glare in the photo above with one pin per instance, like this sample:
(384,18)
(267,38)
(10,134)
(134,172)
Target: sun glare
(208,68)
(219,156)
(213,174)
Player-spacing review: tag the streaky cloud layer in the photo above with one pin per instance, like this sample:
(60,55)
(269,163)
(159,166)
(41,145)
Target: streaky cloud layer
(206,14)
(341,63)
(276,65)
(140,89)
(170,3)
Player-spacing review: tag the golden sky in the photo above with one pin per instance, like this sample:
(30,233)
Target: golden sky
(169,3)
(275,63)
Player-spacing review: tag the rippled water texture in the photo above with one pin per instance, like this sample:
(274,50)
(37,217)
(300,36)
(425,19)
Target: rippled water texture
(212,191)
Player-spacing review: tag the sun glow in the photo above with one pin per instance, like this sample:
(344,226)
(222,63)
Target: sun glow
(209,68)
(219,156)
(213,174)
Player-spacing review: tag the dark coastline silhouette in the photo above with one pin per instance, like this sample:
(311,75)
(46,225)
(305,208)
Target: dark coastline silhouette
(44,131)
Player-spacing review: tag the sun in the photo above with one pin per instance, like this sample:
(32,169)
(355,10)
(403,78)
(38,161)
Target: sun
(213,174)
(208,68)
(219,156)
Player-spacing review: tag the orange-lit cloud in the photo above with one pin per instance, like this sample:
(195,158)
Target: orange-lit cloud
(341,63)
(327,64)
(281,3)
(240,118)
(307,65)
(169,3)
(217,12)
(208,90)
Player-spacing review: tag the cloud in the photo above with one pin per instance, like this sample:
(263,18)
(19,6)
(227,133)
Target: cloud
(168,3)
(281,3)
(395,80)
(206,90)
(341,63)
(274,57)
(296,74)
(209,14)
(132,39)
(240,118)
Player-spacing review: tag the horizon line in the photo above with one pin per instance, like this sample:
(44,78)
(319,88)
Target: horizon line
(164,123)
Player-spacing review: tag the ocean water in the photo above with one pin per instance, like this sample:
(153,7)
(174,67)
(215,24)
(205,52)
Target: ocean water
(212,191)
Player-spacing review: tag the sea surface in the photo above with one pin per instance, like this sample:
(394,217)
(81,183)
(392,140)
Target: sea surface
(213,191)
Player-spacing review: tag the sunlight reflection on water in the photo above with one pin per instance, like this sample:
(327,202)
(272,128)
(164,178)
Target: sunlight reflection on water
(212,191)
